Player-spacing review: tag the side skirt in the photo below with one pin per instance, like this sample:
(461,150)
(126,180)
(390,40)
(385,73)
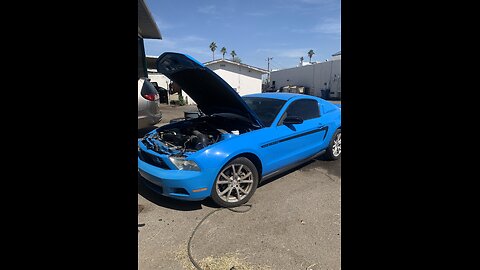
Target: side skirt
(291,166)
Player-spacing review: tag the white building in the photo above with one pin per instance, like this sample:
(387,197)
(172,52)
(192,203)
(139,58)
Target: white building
(319,78)
(337,56)
(245,79)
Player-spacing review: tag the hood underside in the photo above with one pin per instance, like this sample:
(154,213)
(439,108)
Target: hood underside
(211,93)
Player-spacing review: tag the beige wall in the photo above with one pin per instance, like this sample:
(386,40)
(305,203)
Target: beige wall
(244,80)
(161,79)
(313,76)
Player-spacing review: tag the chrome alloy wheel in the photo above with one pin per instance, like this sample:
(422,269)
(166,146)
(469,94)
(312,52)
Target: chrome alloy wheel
(337,145)
(234,183)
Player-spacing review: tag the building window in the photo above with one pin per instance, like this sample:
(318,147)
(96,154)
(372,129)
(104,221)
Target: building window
(222,65)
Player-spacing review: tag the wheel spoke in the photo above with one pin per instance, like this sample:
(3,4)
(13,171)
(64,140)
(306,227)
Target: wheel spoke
(233,169)
(242,190)
(222,182)
(224,176)
(245,176)
(229,193)
(245,181)
(225,191)
(240,169)
(238,193)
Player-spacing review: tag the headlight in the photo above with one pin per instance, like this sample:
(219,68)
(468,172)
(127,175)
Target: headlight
(182,164)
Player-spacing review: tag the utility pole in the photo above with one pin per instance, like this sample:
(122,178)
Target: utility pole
(268,68)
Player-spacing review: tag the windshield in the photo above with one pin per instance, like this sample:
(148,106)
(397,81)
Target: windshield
(266,108)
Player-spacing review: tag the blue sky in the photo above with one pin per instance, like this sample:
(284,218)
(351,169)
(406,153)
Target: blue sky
(255,29)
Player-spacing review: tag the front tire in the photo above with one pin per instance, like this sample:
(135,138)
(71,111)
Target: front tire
(235,184)
(334,150)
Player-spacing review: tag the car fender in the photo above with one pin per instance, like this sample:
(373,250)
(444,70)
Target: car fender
(214,158)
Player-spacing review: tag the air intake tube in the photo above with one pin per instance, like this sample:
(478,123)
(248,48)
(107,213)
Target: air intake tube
(202,139)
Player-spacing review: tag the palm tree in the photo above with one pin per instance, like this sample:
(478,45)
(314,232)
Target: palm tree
(223,51)
(213,47)
(301,61)
(310,54)
(233,54)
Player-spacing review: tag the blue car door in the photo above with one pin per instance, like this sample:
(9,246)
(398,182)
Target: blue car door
(295,142)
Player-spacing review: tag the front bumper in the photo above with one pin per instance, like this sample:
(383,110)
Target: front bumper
(184,185)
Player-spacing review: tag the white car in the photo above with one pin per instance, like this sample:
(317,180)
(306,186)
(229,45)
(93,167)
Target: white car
(149,112)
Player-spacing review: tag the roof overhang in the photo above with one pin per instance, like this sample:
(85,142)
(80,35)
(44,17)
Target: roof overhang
(147,28)
(261,70)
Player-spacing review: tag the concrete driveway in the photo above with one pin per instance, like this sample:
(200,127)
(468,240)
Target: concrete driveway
(294,223)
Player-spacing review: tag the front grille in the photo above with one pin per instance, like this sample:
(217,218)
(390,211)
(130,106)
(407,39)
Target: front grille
(153,160)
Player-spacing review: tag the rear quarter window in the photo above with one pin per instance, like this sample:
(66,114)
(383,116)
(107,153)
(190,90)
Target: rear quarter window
(328,107)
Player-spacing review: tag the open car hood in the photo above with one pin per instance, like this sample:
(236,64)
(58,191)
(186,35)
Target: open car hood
(211,93)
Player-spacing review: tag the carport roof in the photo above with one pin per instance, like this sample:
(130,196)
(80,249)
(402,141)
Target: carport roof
(261,70)
(147,28)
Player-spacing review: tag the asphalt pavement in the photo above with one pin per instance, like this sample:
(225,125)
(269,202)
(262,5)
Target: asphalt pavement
(294,223)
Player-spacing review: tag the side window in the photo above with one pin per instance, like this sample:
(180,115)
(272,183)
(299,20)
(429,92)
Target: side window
(304,108)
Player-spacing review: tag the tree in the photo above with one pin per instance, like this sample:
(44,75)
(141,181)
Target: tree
(237,59)
(223,51)
(233,54)
(310,54)
(301,61)
(213,47)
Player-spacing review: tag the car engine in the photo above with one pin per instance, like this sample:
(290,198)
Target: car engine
(195,134)
(190,138)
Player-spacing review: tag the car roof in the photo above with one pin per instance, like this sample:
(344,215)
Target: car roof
(282,96)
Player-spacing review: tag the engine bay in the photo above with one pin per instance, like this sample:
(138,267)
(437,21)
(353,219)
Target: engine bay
(195,134)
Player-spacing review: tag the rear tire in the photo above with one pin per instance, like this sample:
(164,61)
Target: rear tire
(334,150)
(235,184)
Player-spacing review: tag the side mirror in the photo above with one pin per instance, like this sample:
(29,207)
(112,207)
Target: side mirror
(289,120)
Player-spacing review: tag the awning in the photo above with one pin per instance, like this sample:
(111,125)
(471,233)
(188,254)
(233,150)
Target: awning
(147,28)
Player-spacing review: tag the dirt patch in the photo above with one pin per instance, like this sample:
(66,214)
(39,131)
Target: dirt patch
(229,261)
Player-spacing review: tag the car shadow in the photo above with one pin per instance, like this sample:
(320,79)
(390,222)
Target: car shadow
(332,167)
(269,180)
(171,203)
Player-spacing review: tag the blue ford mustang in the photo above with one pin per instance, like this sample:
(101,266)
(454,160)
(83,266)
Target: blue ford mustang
(239,141)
